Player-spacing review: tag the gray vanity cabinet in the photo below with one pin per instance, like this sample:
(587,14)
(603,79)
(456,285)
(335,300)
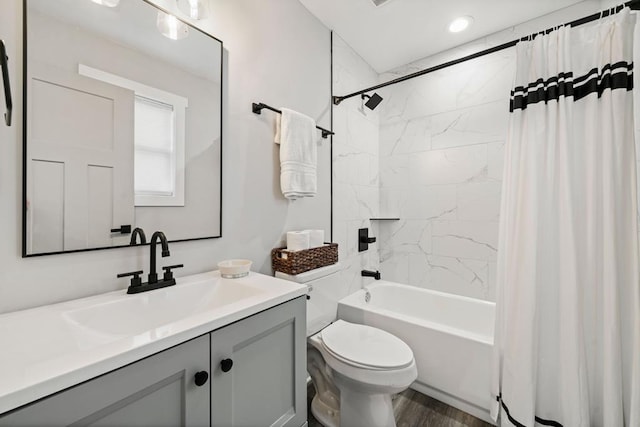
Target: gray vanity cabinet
(156,391)
(263,385)
(258,369)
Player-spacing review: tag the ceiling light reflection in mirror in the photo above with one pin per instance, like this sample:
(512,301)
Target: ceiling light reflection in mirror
(107,3)
(194,9)
(170,27)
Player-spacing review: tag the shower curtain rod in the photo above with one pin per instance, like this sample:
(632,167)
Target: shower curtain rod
(633,4)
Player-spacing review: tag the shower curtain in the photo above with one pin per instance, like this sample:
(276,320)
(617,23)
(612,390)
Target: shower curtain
(567,345)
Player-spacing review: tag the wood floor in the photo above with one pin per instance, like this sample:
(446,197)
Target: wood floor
(413,409)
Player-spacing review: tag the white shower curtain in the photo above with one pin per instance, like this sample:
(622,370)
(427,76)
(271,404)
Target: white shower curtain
(567,345)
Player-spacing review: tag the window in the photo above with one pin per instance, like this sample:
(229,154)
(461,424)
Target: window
(154,154)
(159,139)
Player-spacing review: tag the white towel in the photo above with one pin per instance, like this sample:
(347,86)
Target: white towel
(296,134)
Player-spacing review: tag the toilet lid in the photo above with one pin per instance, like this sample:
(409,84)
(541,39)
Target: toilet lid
(366,345)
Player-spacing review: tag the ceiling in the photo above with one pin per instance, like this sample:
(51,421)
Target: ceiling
(401,31)
(133,25)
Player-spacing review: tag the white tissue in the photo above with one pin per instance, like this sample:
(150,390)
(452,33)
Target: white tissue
(297,240)
(316,238)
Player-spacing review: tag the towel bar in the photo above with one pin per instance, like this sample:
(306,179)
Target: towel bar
(258,107)
(5,81)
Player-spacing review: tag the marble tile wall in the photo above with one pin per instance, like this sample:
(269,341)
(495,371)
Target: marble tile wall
(441,145)
(355,165)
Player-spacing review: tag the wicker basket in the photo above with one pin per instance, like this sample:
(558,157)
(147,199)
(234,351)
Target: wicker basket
(296,262)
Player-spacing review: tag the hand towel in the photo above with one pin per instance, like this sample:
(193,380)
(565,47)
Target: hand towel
(296,134)
(297,240)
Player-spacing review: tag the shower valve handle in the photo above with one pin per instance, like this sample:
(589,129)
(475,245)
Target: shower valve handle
(364,240)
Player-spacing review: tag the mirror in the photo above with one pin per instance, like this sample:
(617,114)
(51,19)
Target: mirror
(122,126)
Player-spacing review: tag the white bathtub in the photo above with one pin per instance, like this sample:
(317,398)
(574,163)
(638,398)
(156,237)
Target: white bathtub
(451,337)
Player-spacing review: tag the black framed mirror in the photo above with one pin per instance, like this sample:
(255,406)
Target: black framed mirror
(122,126)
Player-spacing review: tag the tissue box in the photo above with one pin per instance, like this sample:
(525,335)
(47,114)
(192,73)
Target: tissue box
(296,262)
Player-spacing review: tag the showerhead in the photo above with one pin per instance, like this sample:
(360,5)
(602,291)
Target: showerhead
(373,101)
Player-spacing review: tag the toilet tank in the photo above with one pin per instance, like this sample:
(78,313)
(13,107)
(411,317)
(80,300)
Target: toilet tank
(324,291)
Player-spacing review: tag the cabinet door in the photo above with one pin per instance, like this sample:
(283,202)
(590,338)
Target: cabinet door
(266,385)
(156,391)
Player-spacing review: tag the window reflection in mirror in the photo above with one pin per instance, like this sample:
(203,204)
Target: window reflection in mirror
(122,126)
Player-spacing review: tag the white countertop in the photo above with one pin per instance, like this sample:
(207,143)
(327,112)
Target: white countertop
(50,348)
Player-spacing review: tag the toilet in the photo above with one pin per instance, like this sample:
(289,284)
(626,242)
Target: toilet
(355,368)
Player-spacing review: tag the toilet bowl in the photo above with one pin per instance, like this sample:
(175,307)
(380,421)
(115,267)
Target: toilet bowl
(366,366)
(354,368)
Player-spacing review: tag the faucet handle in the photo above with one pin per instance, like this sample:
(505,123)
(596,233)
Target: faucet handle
(135,280)
(168,274)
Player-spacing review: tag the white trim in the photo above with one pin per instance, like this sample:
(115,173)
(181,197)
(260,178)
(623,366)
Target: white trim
(137,87)
(180,105)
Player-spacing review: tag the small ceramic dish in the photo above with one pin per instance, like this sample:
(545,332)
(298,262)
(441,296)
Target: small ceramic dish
(234,268)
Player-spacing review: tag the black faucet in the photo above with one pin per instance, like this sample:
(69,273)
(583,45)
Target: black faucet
(369,273)
(153,276)
(153,283)
(138,232)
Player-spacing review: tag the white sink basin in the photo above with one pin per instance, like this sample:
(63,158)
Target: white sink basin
(134,314)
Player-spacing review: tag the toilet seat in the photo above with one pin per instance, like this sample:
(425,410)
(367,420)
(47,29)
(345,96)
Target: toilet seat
(365,347)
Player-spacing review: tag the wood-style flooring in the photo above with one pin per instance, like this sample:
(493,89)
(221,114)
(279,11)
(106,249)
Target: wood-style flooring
(413,409)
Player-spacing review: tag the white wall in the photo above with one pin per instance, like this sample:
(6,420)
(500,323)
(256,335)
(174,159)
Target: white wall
(441,149)
(275,52)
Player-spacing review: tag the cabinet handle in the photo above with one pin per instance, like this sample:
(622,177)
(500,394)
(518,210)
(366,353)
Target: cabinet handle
(201,378)
(226,365)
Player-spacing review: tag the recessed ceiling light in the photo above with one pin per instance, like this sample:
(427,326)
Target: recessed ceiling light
(460,24)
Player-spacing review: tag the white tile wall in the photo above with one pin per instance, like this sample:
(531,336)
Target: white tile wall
(441,147)
(479,201)
(356,174)
(450,274)
(449,166)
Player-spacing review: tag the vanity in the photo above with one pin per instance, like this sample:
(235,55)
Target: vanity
(208,351)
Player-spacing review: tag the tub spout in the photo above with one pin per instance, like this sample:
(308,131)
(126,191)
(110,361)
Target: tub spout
(369,273)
